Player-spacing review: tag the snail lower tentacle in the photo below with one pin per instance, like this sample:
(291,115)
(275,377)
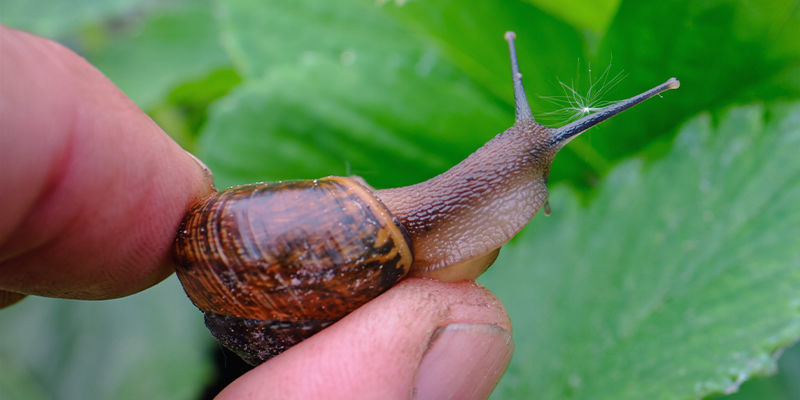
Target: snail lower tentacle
(270,264)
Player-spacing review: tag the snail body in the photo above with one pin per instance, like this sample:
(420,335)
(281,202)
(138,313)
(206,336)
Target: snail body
(270,264)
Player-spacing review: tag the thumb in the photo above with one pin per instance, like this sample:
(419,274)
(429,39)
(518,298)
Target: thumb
(423,339)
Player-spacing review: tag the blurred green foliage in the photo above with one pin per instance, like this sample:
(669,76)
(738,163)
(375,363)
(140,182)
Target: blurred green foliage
(668,270)
(657,291)
(150,345)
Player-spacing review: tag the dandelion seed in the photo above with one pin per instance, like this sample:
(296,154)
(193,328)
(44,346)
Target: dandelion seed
(574,105)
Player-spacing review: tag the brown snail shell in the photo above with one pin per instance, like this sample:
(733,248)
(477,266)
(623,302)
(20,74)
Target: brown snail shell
(270,264)
(321,262)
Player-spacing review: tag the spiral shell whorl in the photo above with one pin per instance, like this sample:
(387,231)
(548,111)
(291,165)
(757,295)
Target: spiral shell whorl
(282,260)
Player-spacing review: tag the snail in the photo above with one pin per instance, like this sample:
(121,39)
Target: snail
(270,264)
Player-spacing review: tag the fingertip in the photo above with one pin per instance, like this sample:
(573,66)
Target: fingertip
(94,190)
(419,333)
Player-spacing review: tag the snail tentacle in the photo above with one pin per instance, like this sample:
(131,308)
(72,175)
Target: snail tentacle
(521,106)
(566,133)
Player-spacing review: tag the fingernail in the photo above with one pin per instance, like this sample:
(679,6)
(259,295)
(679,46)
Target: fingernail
(207,175)
(463,361)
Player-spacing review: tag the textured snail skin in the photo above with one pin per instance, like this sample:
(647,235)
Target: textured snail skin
(270,264)
(460,218)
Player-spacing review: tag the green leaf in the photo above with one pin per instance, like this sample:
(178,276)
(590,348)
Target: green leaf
(171,46)
(349,93)
(58,18)
(679,280)
(326,119)
(593,16)
(260,35)
(785,385)
(151,345)
(145,47)
(185,111)
(721,50)
(18,384)
(470,35)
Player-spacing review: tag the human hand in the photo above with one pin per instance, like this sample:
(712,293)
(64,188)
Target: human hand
(93,191)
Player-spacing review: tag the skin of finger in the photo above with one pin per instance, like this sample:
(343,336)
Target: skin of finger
(374,352)
(93,189)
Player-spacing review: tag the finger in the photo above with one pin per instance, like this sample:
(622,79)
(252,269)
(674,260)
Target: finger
(93,190)
(425,338)
(9,298)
